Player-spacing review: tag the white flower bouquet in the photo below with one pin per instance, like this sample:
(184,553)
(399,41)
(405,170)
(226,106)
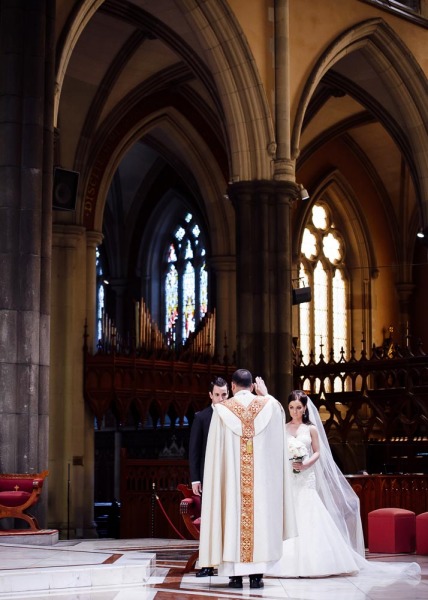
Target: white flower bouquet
(297,451)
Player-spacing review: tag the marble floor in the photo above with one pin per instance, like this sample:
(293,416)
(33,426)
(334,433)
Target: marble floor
(147,569)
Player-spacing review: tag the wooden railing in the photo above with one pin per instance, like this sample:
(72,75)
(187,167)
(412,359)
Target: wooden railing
(143,480)
(141,516)
(374,408)
(384,491)
(378,399)
(134,386)
(131,386)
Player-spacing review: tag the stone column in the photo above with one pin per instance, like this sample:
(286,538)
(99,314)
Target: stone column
(286,191)
(284,196)
(72,425)
(284,167)
(26,167)
(263,292)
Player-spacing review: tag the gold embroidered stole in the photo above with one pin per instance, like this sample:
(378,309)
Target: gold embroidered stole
(247,415)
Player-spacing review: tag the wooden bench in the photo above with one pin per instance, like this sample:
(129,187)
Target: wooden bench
(18,492)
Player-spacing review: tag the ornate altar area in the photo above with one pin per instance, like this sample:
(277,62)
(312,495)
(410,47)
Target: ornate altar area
(143,480)
(374,408)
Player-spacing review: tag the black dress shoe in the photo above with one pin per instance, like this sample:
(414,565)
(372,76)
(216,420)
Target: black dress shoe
(256,582)
(205,572)
(235,582)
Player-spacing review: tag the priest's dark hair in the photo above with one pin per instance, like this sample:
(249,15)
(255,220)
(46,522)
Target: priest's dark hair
(242,378)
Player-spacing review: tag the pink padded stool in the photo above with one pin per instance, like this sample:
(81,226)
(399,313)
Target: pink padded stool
(422,533)
(392,530)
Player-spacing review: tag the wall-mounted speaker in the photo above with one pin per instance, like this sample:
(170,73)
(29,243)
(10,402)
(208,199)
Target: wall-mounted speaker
(302,294)
(65,189)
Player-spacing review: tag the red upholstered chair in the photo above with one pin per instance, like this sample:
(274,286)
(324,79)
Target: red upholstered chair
(190,510)
(392,530)
(19,491)
(422,533)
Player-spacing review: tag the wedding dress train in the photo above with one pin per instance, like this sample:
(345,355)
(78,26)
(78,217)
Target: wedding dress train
(319,550)
(322,549)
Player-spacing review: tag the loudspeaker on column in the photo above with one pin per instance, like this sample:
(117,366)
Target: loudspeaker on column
(65,189)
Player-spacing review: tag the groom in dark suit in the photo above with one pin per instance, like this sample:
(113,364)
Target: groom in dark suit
(218,392)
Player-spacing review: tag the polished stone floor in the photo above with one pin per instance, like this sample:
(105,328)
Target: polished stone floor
(147,569)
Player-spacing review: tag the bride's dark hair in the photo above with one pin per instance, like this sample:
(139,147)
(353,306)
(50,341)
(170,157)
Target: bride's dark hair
(301,397)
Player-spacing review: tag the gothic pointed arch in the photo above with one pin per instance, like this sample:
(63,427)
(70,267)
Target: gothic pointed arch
(217,57)
(335,188)
(71,33)
(358,262)
(192,155)
(397,101)
(246,109)
(175,246)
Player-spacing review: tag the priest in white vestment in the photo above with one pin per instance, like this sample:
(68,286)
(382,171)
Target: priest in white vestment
(247,508)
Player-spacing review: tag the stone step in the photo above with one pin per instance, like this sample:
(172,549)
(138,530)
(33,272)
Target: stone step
(43,537)
(88,570)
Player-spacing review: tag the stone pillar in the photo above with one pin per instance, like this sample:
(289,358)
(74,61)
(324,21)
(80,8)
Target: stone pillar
(286,191)
(284,167)
(26,167)
(72,425)
(285,195)
(264,290)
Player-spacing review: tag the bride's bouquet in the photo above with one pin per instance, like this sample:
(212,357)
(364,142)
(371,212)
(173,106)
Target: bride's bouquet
(297,451)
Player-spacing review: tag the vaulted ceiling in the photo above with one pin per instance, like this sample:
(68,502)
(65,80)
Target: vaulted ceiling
(145,53)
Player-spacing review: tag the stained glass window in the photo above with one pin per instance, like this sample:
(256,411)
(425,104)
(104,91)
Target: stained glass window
(171,300)
(203,291)
(340,329)
(100,294)
(305,318)
(188,300)
(320,301)
(189,251)
(179,234)
(186,281)
(323,322)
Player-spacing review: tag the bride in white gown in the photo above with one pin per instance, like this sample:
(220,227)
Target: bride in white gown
(330,536)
